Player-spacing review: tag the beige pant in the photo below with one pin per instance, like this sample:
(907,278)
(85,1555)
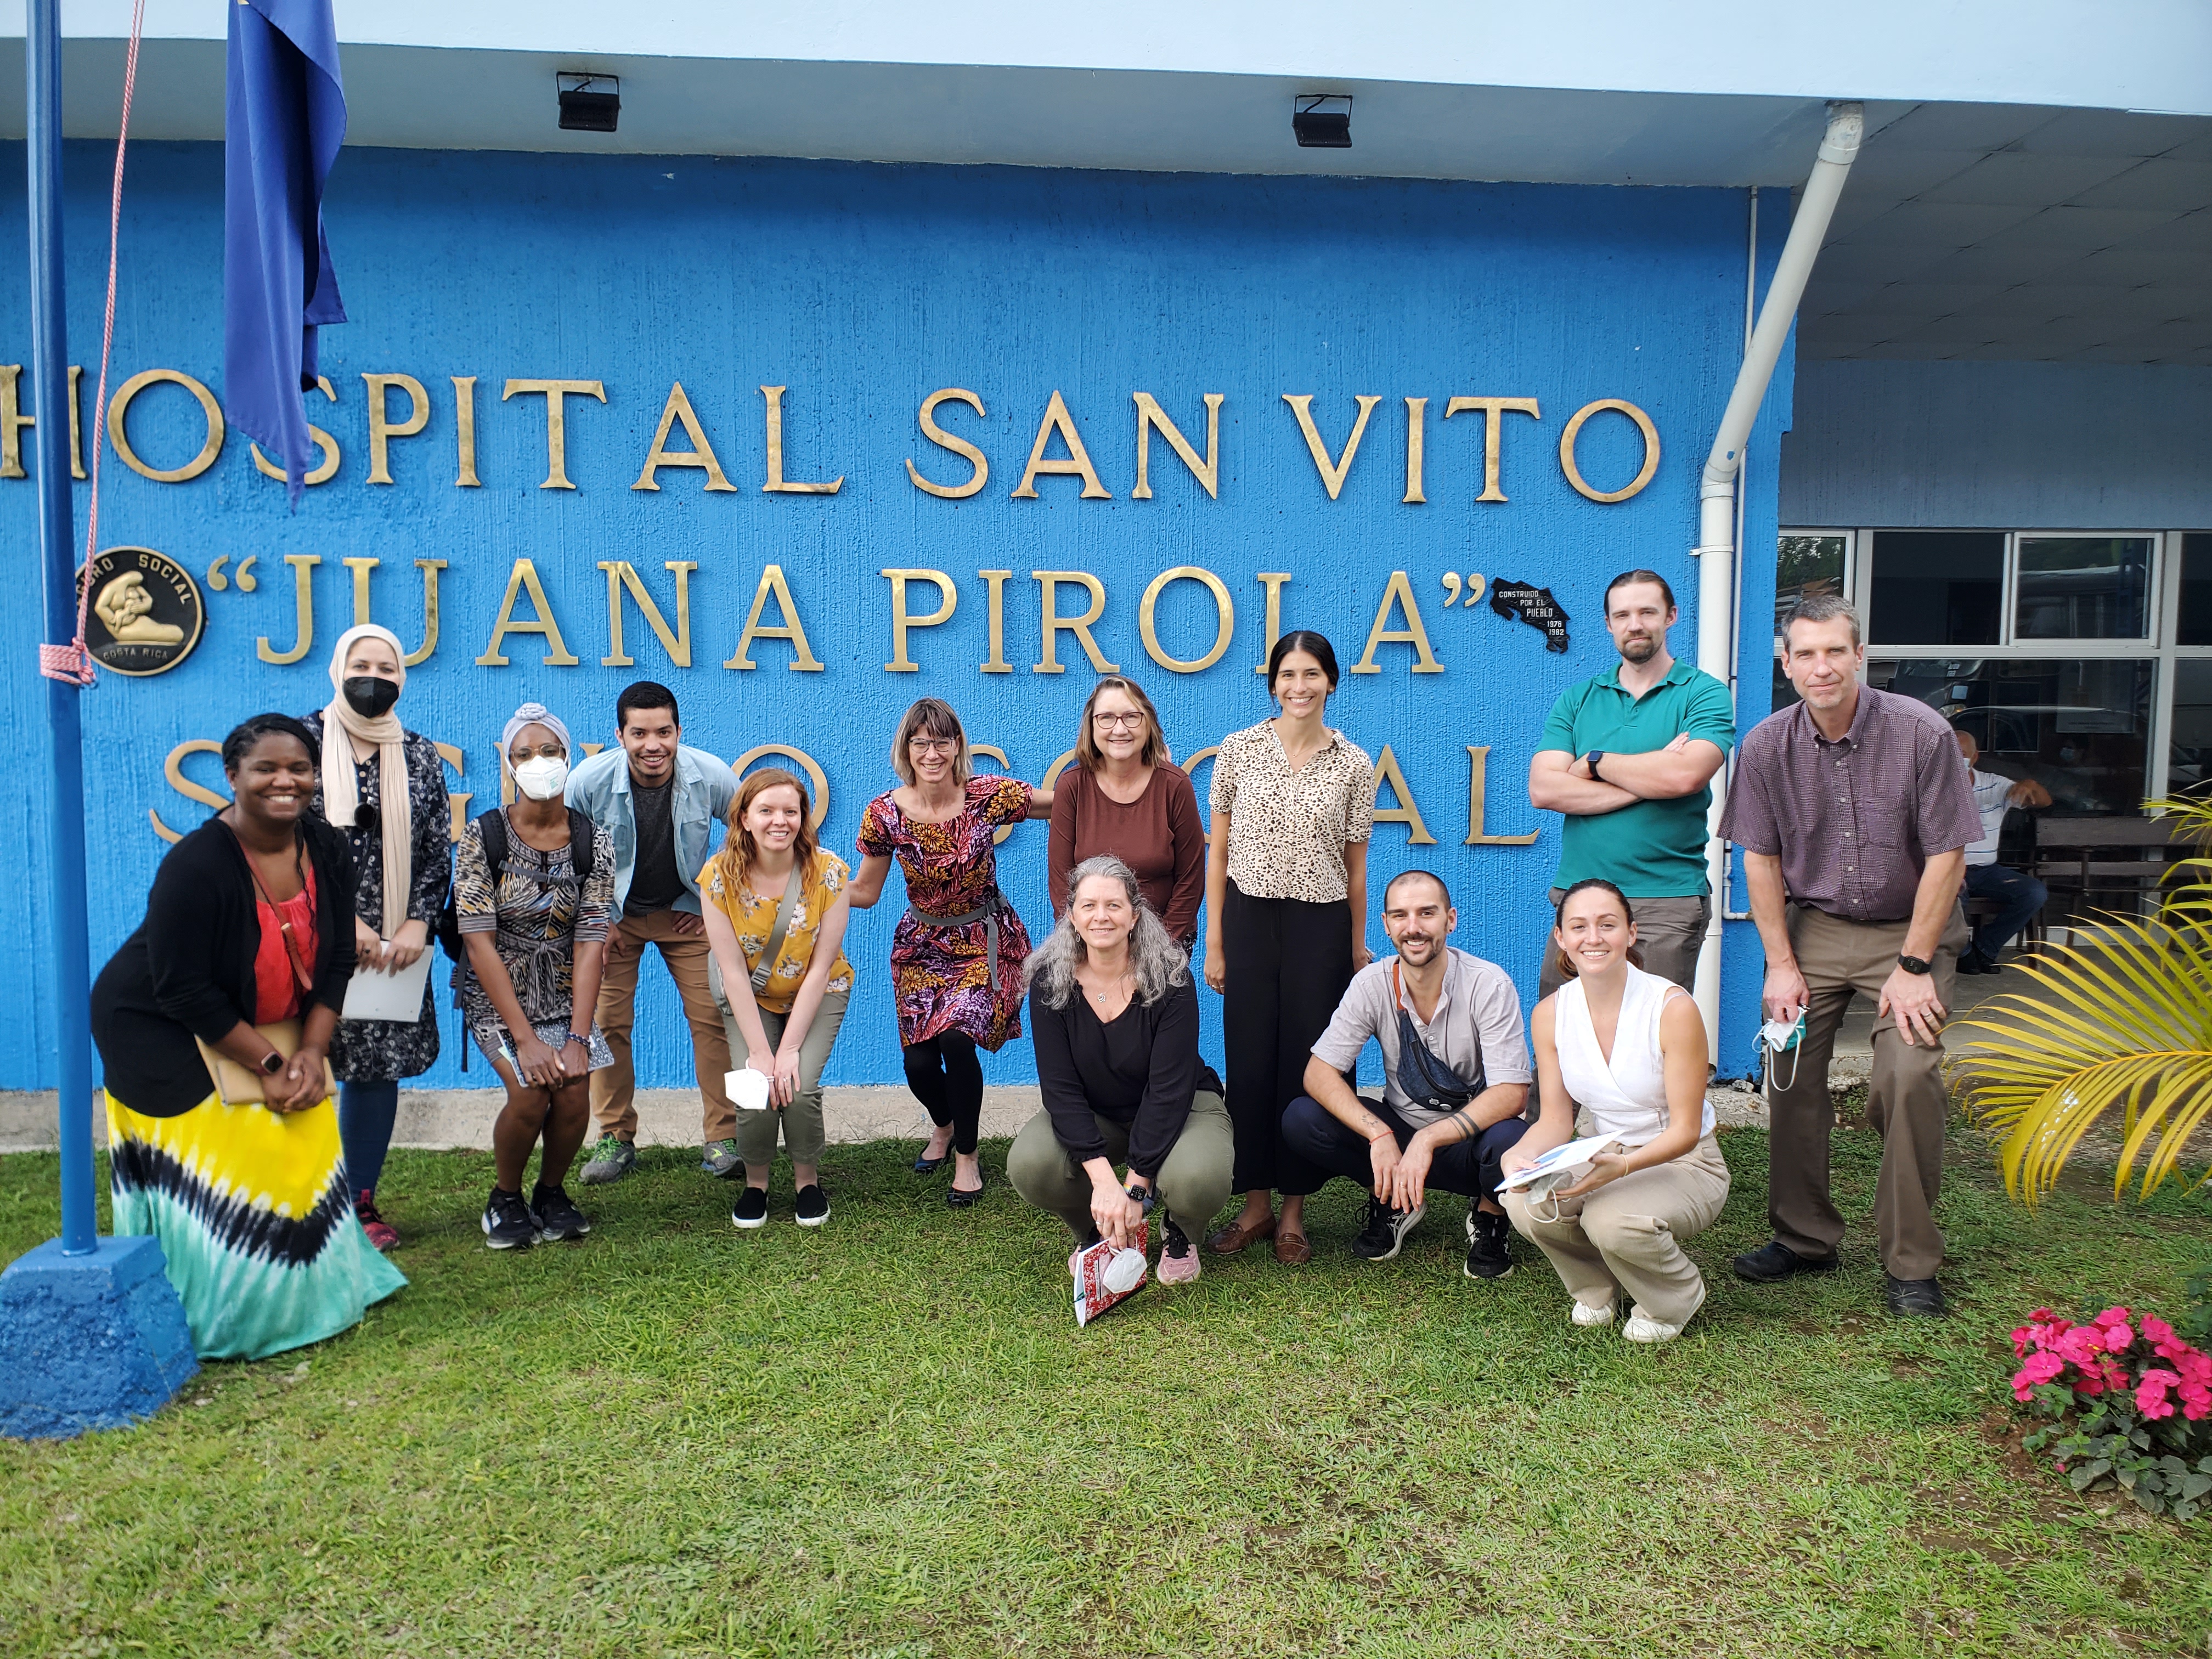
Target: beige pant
(1907,1100)
(1669,935)
(614,1088)
(1627,1236)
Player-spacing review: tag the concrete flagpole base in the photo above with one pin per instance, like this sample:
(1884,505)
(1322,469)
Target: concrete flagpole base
(89,1342)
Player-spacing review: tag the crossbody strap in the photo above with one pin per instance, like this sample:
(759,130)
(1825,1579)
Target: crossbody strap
(765,970)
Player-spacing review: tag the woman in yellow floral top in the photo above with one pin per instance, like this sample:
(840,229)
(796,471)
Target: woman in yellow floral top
(783,1020)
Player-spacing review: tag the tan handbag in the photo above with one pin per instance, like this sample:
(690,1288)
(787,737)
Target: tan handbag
(242,1085)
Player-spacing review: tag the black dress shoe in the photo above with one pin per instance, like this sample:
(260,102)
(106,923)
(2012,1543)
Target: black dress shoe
(1972,964)
(1913,1296)
(1774,1261)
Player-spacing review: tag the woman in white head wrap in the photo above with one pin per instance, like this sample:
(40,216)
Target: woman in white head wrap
(533,889)
(384,787)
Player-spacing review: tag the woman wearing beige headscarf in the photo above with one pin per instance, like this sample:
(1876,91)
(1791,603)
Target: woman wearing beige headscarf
(385,788)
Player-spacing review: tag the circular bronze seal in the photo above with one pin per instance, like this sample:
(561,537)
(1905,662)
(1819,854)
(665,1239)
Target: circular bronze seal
(146,613)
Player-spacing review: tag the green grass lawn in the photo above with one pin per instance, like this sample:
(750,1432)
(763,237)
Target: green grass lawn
(888,1438)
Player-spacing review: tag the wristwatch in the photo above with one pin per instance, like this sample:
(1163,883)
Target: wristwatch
(1594,757)
(271,1063)
(1142,1195)
(1914,964)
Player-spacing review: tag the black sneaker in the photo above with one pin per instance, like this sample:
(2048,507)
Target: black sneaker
(558,1220)
(1386,1229)
(1489,1245)
(752,1209)
(508,1223)
(813,1206)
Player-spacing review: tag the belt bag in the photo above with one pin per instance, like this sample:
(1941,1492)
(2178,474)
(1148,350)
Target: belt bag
(242,1085)
(766,970)
(987,913)
(1426,1080)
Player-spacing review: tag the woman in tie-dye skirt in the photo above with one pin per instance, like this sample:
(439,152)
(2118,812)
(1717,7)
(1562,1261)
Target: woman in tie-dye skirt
(247,946)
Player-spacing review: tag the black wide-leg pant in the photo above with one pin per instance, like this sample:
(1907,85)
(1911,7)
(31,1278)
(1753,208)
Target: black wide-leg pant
(1289,962)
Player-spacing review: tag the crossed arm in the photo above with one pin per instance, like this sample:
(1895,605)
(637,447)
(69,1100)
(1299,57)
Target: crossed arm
(1561,783)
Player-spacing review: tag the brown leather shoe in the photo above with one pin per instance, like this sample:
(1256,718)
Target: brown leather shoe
(1292,1251)
(1227,1241)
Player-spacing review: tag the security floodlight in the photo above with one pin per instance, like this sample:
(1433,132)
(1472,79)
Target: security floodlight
(589,103)
(1322,121)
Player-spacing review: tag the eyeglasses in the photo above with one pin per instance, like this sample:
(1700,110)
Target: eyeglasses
(544,751)
(934,746)
(1133,721)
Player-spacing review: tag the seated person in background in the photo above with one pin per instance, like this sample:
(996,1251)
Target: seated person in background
(1455,1080)
(2020,894)
(1628,1049)
(1113,1014)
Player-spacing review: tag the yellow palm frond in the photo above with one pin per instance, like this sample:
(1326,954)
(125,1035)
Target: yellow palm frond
(2124,1023)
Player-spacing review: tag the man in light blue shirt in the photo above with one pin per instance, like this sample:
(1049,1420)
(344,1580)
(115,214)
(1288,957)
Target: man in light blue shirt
(662,805)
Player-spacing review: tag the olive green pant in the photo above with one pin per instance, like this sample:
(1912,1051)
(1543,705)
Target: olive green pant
(804,1136)
(1193,1182)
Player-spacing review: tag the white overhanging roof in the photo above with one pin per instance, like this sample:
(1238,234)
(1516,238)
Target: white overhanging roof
(2038,182)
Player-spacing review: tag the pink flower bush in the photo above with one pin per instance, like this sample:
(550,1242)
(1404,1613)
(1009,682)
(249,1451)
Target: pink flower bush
(2127,1396)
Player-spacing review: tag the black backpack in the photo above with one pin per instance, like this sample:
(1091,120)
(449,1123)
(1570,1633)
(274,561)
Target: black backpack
(492,827)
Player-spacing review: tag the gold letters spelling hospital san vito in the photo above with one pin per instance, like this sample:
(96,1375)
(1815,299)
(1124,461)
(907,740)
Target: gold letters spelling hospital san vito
(1397,617)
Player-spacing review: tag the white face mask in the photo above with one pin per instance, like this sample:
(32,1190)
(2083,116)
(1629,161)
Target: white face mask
(541,777)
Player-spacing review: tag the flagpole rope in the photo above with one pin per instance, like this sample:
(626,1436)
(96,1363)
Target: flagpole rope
(73,662)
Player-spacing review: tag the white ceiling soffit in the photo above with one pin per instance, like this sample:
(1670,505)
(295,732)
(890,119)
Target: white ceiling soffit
(2117,54)
(1997,232)
(426,98)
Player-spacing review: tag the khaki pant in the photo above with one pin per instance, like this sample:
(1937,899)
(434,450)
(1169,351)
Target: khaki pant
(804,1135)
(1626,1237)
(1906,1101)
(1669,934)
(1193,1182)
(614,1087)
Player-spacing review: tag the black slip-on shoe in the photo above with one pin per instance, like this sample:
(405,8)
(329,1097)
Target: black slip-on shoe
(1774,1261)
(1913,1296)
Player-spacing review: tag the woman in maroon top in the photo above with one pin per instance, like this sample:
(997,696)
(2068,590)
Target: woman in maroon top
(1124,797)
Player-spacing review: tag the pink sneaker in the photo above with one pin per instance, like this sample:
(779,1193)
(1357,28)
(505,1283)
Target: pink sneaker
(381,1233)
(1178,1260)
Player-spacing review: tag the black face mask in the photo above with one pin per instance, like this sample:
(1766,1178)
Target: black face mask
(370,697)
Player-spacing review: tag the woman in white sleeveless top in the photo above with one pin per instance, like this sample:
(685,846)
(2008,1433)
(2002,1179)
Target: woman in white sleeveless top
(1627,1050)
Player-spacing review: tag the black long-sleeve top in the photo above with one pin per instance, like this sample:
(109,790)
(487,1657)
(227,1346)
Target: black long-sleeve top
(188,971)
(1140,1069)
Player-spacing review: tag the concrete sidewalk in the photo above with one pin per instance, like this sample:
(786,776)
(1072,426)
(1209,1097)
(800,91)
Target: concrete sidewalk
(442,1119)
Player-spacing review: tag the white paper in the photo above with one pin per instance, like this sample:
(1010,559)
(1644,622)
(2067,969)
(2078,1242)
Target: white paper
(371,995)
(1574,1155)
(747,1088)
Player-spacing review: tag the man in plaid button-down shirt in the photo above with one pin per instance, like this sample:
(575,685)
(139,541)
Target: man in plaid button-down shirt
(1854,816)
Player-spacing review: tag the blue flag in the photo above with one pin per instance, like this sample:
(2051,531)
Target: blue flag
(284,118)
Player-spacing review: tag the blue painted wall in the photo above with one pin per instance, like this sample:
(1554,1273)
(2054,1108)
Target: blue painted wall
(2001,445)
(863,289)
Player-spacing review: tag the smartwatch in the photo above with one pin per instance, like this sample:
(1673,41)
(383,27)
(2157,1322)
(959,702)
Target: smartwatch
(1594,757)
(1913,964)
(271,1063)
(1142,1195)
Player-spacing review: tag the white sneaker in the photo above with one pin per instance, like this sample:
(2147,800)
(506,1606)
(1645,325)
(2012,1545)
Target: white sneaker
(1583,1314)
(1641,1329)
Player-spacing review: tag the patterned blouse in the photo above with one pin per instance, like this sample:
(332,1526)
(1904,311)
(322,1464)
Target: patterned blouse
(1288,829)
(537,919)
(379,1050)
(943,978)
(752,918)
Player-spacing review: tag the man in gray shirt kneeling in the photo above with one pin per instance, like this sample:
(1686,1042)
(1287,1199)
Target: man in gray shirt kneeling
(1455,1080)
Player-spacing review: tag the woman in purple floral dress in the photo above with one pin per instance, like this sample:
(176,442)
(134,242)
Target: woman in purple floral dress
(957,953)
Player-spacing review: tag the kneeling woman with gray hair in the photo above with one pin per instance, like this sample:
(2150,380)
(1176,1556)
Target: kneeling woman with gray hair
(1115,1017)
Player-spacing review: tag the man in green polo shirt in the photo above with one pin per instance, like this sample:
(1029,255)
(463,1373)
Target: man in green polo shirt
(1628,757)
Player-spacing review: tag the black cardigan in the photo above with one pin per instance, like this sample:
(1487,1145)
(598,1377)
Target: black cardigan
(1141,1069)
(188,971)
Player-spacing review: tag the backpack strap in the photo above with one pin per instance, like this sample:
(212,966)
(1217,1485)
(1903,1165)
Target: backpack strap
(492,828)
(581,830)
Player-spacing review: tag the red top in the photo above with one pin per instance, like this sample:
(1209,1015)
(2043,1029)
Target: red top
(276,990)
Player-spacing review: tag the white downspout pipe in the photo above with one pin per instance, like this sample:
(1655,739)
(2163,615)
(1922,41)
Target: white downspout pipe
(1716,494)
